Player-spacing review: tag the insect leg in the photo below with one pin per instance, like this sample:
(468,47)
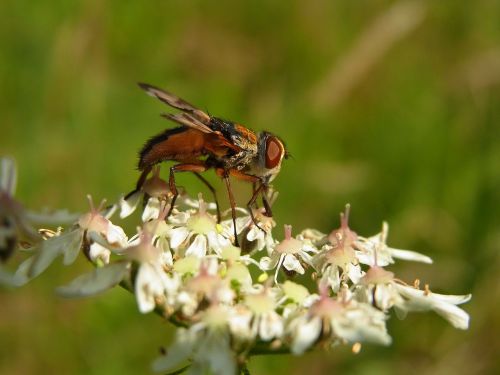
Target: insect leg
(258,185)
(233,206)
(140,181)
(212,189)
(196,168)
(265,201)
(252,201)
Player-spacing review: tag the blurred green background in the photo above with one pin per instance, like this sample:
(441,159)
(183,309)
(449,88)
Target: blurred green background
(393,106)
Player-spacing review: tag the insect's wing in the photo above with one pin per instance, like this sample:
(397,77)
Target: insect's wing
(187,120)
(176,102)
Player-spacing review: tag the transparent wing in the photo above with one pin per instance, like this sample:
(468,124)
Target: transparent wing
(176,102)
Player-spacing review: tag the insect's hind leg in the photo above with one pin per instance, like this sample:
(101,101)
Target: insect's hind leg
(140,182)
(214,193)
(195,168)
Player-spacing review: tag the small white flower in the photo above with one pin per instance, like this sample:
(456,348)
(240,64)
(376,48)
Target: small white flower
(444,305)
(92,227)
(295,297)
(337,264)
(380,288)
(95,222)
(290,253)
(240,323)
(152,284)
(267,323)
(376,247)
(207,285)
(197,235)
(335,320)
(253,238)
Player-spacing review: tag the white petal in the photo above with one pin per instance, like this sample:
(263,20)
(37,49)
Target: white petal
(419,300)
(355,273)
(271,325)
(217,242)
(116,236)
(99,252)
(267,263)
(332,277)
(362,324)
(128,206)
(410,255)
(166,258)
(306,257)
(254,234)
(385,296)
(148,285)
(450,298)
(178,236)
(306,334)
(198,247)
(95,282)
(239,323)
(453,314)
(152,210)
(291,263)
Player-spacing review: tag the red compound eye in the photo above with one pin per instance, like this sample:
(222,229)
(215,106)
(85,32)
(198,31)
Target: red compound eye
(274,152)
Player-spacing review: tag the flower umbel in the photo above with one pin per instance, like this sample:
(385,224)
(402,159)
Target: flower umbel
(225,305)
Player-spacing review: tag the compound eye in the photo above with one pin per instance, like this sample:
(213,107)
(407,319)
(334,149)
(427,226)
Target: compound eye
(274,152)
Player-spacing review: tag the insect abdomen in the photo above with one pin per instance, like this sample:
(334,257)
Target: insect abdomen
(177,144)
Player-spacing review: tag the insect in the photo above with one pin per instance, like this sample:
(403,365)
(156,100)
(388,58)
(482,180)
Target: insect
(205,142)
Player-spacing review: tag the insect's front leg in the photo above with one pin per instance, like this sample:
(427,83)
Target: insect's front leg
(251,202)
(187,167)
(265,201)
(259,186)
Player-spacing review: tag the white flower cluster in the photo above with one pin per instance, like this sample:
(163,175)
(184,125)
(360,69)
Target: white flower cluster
(226,307)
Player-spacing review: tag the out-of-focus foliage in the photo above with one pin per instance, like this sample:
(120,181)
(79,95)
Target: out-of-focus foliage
(391,106)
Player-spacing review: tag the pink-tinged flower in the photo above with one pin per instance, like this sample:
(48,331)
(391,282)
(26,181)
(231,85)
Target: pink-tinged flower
(337,261)
(377,244)
(93,232)
(380,288)
(336,320)
(153,286)
(344,234)
(253,238)
(291,253)
(206,286)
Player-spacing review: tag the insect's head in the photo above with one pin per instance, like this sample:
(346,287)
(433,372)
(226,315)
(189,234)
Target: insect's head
(272,151)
